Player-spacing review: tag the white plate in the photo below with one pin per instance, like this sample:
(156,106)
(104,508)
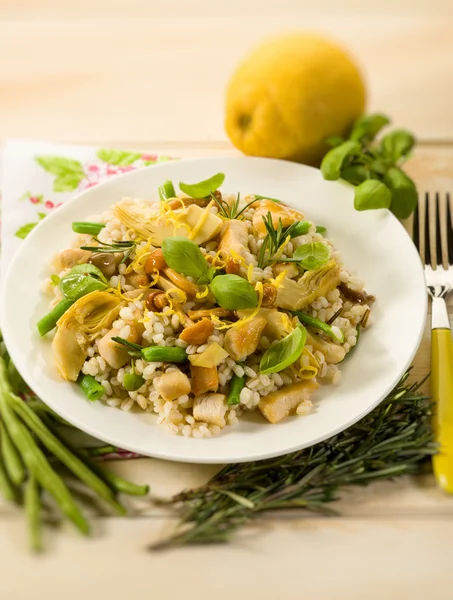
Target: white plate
(373,244)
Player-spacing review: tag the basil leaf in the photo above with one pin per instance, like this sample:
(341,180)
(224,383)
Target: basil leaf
(367,127)
(313,255)
(321,229)
(184,256)
(233,292)
(372,194)
(89,269)
(285,352)
(334,141)
(75,285)
(397,144)
(403,191)
(355,174)
(207,277)
(202,188)
(334,160)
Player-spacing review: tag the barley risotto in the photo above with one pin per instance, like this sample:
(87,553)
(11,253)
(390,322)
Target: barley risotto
(201,306)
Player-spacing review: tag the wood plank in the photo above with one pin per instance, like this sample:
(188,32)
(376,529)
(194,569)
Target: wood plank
(156,79)
(316,558)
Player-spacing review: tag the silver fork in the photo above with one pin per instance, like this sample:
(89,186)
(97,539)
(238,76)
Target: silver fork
(433,236)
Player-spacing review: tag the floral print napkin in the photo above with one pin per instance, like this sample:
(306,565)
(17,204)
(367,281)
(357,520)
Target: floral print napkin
(38,177)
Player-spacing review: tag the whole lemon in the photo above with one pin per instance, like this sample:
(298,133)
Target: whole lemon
(290,94)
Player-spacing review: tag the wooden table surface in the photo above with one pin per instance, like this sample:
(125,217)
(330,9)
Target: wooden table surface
(151,76)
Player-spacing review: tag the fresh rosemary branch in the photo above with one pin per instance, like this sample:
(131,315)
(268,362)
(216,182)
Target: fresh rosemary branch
(126,246)
(274,240)
(390,441)
(230,211)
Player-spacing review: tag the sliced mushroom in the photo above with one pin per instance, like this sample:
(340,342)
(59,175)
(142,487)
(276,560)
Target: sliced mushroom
(355,295)
(243,339)
(210,408)
(73,256)
(207,312)
(333,353)
(137,280)
(198,333)
(182,282)
(295,295)
(107,262)
(204,379)
(173,384)
(280,404)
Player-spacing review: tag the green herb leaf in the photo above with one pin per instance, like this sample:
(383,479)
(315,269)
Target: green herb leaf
(89,269)
(403,192)
(55,279)
(367,127)
(333,161)
(207,277)
(233,292)
(312,255)
(321,229)
(285,352)
(75,285)
(334,141)
(397,144)
(372,194)
(202,188)
(184,256)
(355,174)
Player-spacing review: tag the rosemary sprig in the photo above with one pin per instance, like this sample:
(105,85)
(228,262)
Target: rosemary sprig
(274,240)
(126,246)
(390,441)
(231,211)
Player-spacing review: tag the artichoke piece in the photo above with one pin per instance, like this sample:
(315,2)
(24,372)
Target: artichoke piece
(243,339)
(296,295)
(78,327)
(191,222)
(235,240)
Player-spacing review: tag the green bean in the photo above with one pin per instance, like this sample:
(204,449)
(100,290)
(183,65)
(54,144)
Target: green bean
(236,386)
(300,228)
(164,354)
(101,450)
(7,489)
(92,389)
(35,460)
(318,324)
(39,407)
(33,511)
(166,190)
(16,382)
(49,321)
(64,455)
(87,227)
(122,485)
(132,381)
(11,457)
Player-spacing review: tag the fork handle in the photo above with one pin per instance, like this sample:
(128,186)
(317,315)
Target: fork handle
(442,393)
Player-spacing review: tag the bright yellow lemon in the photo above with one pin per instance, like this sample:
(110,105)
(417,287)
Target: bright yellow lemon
(290,94)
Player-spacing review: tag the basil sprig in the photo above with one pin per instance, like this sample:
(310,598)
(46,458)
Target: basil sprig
(312,255)
(285,352)
(374,166)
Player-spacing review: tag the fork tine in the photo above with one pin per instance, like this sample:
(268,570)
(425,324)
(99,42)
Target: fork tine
(449,226)
(441,232)
(416,226)
(425,224)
